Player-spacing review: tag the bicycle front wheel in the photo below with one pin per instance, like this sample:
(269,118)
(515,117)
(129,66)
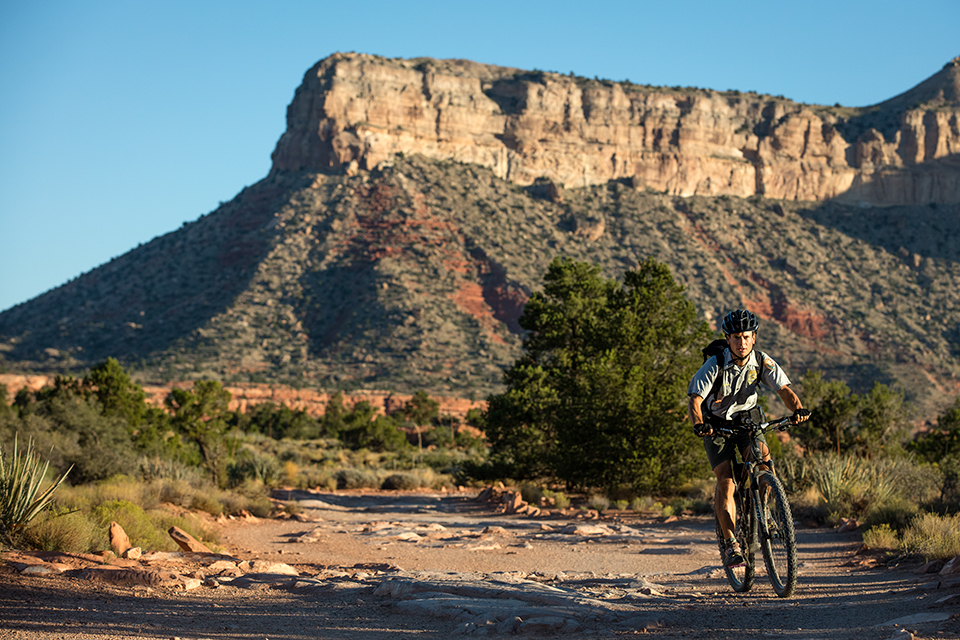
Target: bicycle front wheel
(745,531)
(777,538)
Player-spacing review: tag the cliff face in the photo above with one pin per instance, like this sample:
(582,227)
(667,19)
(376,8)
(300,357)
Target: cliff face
(358,111)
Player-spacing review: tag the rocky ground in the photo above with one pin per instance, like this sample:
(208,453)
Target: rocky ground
(373,566)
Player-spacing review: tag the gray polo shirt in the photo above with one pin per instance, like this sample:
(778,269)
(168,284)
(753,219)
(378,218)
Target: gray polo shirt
(738,389)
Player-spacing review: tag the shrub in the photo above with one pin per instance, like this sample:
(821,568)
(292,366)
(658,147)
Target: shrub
(896,512)
(621,505)
(253,466)
(356,479)
(598,502)
(157,468)
(530,492)
(881,537)
(934,537)
(70,532)
(140,528)
(401,482)
(560,501)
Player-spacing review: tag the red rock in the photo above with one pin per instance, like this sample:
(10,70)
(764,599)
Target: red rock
(119,541)
(186,541)
(951,567)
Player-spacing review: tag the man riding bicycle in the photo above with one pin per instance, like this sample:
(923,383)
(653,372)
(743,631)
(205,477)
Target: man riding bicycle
(724,392)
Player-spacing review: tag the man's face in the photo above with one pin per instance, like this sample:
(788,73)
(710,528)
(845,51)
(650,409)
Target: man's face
(741,343)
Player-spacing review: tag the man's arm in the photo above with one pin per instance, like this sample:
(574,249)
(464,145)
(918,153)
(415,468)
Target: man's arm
(792,402)
(695,413)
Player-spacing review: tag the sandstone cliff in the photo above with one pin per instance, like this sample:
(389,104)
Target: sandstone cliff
(359,111)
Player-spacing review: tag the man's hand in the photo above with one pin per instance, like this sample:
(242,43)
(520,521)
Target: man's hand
(800,415)
(702,429)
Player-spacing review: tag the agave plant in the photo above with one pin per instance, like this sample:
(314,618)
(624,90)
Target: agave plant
(21,478)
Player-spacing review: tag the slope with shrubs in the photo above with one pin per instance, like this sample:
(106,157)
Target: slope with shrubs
(413,277)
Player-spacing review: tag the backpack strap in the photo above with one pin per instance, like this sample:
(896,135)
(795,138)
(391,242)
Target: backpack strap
(716,381)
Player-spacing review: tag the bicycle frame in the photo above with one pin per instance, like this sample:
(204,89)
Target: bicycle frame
(769,525)
(748,478)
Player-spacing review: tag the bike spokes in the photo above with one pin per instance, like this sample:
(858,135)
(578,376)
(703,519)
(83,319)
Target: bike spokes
(777,539)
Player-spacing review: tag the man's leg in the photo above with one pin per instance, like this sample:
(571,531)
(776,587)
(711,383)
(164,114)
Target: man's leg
(723,499)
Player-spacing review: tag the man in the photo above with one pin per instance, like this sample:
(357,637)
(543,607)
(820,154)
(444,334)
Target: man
(724,391)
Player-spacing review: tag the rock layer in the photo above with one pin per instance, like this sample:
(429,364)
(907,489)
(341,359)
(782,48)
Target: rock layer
(358,111)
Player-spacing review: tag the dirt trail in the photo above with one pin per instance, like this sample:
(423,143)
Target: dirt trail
(378,566)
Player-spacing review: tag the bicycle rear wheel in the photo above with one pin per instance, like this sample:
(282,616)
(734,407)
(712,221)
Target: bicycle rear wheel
(777,539)
(745,531)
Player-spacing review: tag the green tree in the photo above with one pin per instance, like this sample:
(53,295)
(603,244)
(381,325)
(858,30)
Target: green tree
(599,396)
(832,407)
(421,409)
(881,423)
(200,415)
(117,393)
(943,441)
(940,446)
(6,411)
(332,424)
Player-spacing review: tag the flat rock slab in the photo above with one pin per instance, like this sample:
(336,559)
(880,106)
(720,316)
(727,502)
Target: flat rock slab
(507,604)
(917,618)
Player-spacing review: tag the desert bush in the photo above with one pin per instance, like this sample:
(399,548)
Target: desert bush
(404,481)
(140,528)
(895,512)
(207,501)
(256,502)
(356,479)
(531,492)
(599,502)
(881,537)
(560,500)
(853,486)
(636,505)
(251,465)
(932,536)
(69,532)
(621,505)
(156,468)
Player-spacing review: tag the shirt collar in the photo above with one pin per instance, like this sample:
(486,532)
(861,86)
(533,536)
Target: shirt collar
(728,359)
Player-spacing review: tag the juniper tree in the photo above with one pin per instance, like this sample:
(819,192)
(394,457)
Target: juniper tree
(598,398)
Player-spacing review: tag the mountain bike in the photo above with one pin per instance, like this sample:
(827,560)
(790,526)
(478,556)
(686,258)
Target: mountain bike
(762,519)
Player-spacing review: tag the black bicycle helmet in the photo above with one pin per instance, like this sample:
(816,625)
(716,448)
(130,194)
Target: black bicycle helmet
(738,321)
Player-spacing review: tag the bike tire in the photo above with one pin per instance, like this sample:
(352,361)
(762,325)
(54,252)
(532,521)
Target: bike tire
(745,531)
(777,539)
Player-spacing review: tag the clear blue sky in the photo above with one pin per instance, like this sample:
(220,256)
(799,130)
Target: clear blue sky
(119,121)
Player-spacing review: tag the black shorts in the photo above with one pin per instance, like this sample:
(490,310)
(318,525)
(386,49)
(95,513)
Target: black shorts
(720,449)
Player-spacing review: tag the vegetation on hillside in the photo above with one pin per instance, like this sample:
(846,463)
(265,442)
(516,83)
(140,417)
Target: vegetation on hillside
(413,276)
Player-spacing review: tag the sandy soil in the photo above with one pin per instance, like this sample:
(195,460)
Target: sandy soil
(357,541)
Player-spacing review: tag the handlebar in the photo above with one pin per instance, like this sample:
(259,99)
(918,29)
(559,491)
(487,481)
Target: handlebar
(781,425)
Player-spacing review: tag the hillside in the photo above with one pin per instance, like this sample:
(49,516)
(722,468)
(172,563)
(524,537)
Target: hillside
(400,268)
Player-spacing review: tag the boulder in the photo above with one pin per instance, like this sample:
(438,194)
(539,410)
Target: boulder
(119,541)
(186,541)
(951,567)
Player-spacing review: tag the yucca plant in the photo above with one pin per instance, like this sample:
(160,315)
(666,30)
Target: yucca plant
(21,478)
